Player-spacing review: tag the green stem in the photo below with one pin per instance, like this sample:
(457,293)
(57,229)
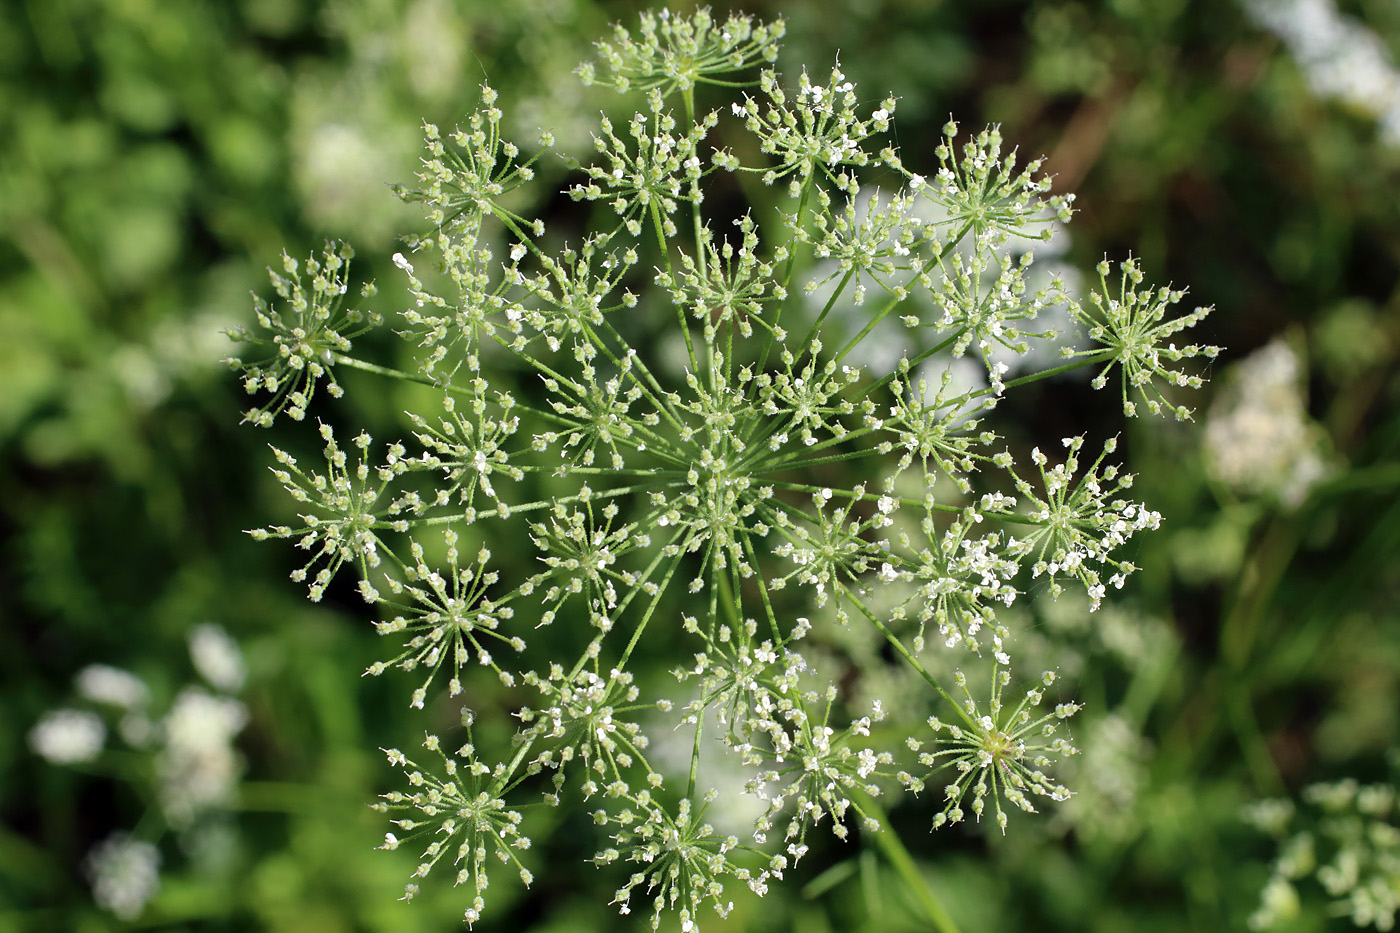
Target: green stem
(659,226)
(726,589)
(870,325)
(656,394)
(688,96)
(903,863)
(695,755)
(341,359)
(891,377)
(456,516)
(504,782)
(875,496)
(905,653)
(641,626)
(1092,360)
(652,472)
(818,461)
(787,273)
(762,588)
(830,442)
(826,309)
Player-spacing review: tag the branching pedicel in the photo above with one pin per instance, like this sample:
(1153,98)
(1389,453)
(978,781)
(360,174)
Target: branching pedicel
(681,490)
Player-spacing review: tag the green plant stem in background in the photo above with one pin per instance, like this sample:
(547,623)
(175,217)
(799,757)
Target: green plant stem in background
(903,863)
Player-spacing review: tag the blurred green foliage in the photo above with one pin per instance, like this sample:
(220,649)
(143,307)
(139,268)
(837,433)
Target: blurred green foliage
(154,157)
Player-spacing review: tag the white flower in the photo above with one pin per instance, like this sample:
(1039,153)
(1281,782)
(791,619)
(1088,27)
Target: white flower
(102,683)
(68,736)
(125,874)
(726,461)
(217,658)
(198,767)
(1259,438)
(1339,56)
(1002,754)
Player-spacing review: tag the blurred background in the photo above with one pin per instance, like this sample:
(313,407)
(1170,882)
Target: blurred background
(184,740)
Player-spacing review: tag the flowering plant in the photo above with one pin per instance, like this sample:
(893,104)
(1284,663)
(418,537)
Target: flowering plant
(1348,840)
(692,387)
(183,761)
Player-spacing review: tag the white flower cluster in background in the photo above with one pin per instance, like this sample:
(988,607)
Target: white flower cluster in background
(68,736)
(197,764)
(217,658)
(188,752)
(1111,773)
(1259,439)
(175,350)
(1339,56)
(1346,837)
(112,686)
(125,874)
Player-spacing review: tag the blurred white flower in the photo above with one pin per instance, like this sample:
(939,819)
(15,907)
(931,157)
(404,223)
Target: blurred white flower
(670,752)
(1258,437)
(102,683)
(1339,56)
(149,368)
(198,768)
(125,874)
(217,658)
(1109,779)
(68,736)
(136,729)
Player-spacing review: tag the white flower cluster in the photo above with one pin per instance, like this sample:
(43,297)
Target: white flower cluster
(1350,843)
(693,462)
(1075,524)
(1001,753)
(1259,438)
(675,52)
(1111,773)
(125,874)
(1339,56)
(1132,330)
(197,765)
(188,753)
(303,335)
(68,736)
